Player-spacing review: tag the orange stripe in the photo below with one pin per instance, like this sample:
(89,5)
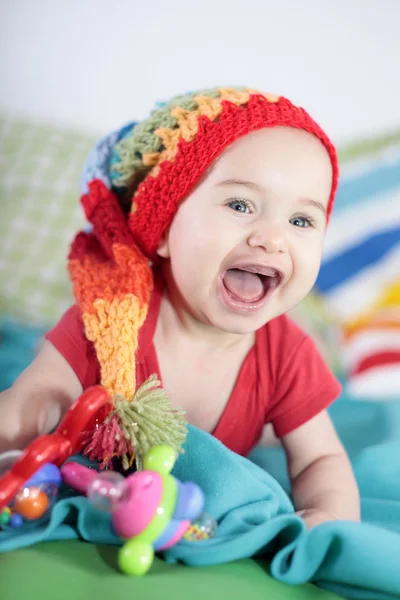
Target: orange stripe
(388,302)
(350,332)
(129,273)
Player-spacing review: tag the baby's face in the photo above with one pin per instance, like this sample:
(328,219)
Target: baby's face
(245,246)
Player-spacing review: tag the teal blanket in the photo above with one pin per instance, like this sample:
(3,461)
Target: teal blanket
(255,516)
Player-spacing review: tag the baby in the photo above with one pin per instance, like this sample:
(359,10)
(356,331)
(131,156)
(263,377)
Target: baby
(207,226)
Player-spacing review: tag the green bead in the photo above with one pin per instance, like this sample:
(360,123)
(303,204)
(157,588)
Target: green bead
(135,558)
(4,518)
(164,512)
(160,459)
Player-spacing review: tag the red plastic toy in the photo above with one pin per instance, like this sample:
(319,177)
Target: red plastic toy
(93,405)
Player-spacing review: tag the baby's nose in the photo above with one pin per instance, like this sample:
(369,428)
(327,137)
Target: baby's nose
(271,238)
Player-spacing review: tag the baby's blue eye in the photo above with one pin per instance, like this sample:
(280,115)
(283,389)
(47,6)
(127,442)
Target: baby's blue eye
(239,206)
(300,222)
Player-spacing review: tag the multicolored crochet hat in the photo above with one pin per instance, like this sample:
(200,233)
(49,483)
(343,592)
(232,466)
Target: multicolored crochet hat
(132,185)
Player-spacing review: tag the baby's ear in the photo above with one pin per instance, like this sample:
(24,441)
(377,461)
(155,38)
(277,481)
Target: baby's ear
(163,245)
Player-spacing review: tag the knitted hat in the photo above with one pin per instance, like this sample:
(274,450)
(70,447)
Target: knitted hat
(149,168)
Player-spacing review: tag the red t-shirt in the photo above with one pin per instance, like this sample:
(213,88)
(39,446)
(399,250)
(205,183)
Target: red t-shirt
(283,379)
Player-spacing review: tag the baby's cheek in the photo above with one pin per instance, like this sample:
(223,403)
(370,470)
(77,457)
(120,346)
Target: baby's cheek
(306,266)
(310,270)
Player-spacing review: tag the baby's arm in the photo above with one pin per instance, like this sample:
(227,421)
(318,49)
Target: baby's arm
(37,399)
(323,484)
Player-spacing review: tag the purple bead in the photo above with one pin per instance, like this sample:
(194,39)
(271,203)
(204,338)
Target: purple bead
(190,501)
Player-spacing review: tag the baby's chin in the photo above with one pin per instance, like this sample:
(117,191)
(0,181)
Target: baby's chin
(241,325)
(247,324)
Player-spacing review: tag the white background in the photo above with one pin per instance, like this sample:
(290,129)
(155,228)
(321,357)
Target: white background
(99,63)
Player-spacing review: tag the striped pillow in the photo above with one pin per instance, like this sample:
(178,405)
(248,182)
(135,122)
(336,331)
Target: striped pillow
(360,273)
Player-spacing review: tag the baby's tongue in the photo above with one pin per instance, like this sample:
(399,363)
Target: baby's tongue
(245,286)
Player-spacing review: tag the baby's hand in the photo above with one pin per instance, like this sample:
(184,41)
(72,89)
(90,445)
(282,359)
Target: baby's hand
(315,516)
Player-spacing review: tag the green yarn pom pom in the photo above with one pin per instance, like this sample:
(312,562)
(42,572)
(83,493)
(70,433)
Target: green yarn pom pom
(150,420)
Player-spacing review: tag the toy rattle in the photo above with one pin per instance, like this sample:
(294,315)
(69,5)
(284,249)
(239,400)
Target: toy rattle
(150,509)
(33,502)
(91,407)
(29,480)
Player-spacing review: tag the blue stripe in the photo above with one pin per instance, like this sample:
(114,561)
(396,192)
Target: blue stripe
(344,266)
(358,189)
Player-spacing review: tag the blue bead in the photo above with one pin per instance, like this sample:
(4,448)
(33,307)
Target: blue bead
(48,473)
(16,521)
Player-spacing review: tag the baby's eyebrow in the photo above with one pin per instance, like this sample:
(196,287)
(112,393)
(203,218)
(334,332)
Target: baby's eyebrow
(310,202)
(248,184)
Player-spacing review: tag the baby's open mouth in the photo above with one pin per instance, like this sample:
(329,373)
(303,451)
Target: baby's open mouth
(251,283)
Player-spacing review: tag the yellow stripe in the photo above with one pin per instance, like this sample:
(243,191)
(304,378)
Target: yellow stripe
(389,298)
(188,123)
